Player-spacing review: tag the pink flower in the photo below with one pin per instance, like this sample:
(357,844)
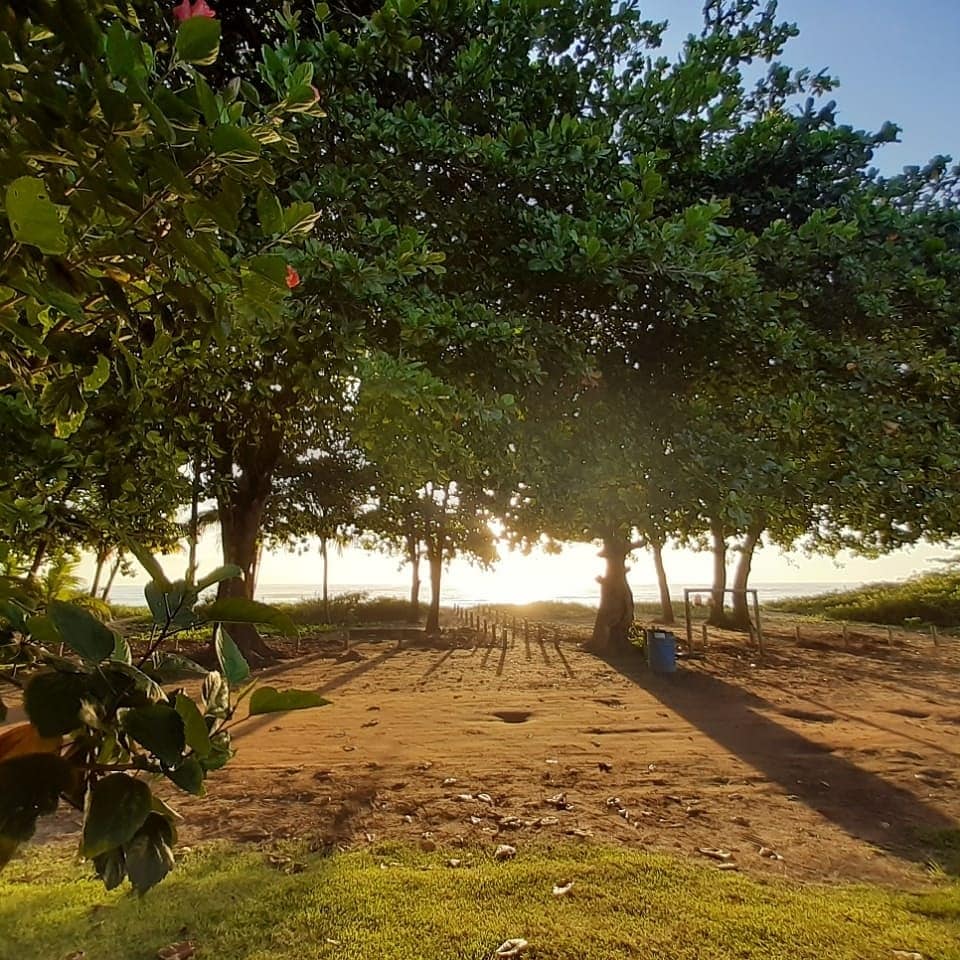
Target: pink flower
(185,10)
(293,278)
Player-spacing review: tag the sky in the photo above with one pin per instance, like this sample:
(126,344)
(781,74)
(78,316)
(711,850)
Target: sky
(895,60)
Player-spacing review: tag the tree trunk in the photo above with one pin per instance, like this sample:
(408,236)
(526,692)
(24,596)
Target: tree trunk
(102,554)
(717,616)
(38,556)
(326,595)
(413,552)
(105,596)
(435,559)
(741,608)
(611,630)
(666,605)
(240,533)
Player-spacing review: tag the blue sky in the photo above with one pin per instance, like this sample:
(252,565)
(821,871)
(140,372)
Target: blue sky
(896,60)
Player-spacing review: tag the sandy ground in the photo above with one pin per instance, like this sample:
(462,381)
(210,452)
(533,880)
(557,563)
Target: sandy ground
(836,761)
(816,762)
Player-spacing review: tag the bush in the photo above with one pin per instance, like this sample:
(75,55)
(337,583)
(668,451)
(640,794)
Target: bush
(929,598)
(348,608)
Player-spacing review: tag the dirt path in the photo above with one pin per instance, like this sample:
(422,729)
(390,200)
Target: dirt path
(836,762)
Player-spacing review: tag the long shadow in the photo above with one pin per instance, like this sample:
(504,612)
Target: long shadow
(250,724)
(563,659)
(503,656)
(437,663)
(856,800)
(830,708)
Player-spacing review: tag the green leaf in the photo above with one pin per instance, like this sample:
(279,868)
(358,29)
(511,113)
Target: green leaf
(208,101)
(242,610)
(270,212)
(111,867)
(117,806)
(232,143)
(171,667)
(272,266)
(194,726)
(271,700)
(149,857)
(232,663)
(53,700)
(34,218)
(42,630)
(198,40)
(158,728)
(220,752)
(30,787)
(124,54)
(188,776)
(226,572)
(81,631)
(94,380)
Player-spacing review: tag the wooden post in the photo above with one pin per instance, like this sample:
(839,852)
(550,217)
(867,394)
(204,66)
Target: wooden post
(539,632)
(703,637)
(846,637)
(796,632)
(889,636)
(935,635)
(526,630)
(484,628)
(686,613)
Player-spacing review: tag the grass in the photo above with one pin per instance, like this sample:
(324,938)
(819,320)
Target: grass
(352,907)
(932,598)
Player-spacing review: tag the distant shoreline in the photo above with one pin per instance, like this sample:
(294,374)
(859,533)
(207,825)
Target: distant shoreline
(132,594)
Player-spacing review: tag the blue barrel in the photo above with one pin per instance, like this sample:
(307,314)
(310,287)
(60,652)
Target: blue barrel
(662,651)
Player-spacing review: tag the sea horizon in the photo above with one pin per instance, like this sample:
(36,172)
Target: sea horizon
(132,594)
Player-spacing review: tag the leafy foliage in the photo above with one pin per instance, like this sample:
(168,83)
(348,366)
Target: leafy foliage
(100,725)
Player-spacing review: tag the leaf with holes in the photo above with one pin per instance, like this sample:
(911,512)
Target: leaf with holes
(34,217)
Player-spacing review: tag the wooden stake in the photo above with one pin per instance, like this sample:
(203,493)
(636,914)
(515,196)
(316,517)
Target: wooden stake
(846,637)
(703,636)
(934,633)
(889,636)
(796,632)
(526,630)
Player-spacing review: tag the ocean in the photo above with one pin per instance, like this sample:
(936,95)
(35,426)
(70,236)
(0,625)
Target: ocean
(132,594)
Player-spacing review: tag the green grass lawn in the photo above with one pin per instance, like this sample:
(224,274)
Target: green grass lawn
(236,906)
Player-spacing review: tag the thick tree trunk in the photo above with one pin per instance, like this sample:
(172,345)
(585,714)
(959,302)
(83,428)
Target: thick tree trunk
(611,630)
(105,596)
(741,608)
(433,614)
(413,553)
(717,615)
(326,594)
(240,533)
(666,605)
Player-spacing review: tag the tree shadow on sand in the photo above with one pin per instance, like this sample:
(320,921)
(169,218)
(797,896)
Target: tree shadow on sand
(856,800)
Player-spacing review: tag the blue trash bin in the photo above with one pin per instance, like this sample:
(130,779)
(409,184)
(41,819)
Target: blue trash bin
(662,651)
